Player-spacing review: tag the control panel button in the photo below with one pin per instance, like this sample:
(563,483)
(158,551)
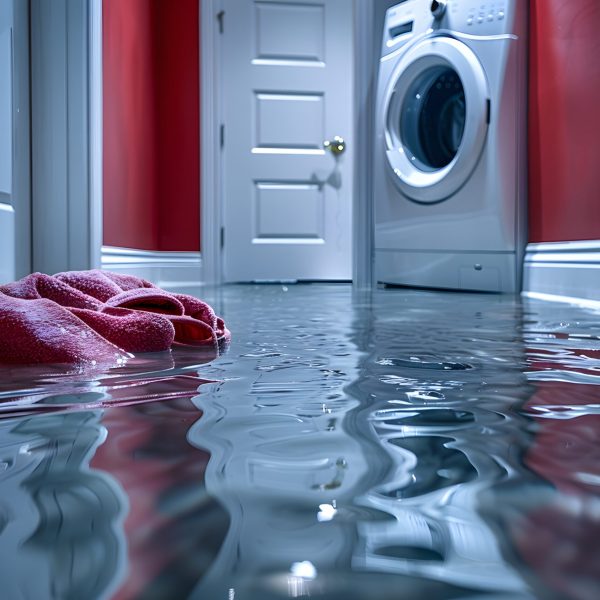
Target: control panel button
(470,21)
(500,16)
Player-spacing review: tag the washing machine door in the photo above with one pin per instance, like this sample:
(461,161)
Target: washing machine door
(436,118)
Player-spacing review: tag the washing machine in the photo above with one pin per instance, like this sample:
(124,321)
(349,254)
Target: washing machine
(450,145)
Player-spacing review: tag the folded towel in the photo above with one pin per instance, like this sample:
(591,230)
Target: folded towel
(130,330)
(39,285)
(98,316)
(42,331)
(102,285)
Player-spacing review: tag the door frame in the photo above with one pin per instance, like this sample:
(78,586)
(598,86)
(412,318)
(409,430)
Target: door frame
(15,207)
(22,130)
(96,135)
(211,168)
(66,134)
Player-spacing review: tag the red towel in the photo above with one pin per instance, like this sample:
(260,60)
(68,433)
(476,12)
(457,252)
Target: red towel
(97,317)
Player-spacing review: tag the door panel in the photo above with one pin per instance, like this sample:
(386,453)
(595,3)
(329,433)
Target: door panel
(277,40)
(287,87)
(289,210)
(294,121)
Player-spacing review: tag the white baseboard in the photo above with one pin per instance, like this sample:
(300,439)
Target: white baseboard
(164,269)
(563,271)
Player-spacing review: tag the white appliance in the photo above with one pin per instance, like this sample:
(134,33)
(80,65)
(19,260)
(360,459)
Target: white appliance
(450,145)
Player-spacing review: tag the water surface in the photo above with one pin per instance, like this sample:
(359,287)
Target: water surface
(399,444)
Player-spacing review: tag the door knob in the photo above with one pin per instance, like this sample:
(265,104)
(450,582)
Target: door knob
(336,146)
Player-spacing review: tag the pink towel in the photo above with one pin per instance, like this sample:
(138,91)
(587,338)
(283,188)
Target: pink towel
(98,316)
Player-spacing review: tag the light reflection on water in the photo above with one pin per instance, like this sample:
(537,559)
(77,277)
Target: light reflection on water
(399,445)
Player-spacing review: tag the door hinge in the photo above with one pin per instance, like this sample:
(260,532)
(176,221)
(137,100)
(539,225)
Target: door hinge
(222,238)
(221,19)
(222,136)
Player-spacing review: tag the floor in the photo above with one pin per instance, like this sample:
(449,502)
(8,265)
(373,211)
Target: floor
(384,445)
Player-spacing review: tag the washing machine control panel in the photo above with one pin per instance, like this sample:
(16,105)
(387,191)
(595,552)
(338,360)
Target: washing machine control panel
(415,17)
(486,18)
(401,23)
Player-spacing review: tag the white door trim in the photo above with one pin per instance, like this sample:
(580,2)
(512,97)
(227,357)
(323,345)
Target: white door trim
(96,134)
(210,151)
(365,76)
(211,157)
(15,194)
(66,116)
(22,163)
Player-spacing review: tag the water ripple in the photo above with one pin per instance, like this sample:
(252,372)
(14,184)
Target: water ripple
(417,363)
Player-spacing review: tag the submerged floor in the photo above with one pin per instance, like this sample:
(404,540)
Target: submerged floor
(400,444)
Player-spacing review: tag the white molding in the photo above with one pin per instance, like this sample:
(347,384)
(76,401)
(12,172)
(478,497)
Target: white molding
(210,153)
(63,180)
(563,271)
(96,135)
(581,302)
(22,139)
(572,247)
(365,73)
(164,269)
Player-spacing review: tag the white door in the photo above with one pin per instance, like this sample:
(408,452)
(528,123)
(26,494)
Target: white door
(287,73)
(14,140)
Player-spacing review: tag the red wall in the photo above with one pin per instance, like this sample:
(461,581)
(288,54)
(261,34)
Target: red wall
(564,121)
(151,124)
(178,72)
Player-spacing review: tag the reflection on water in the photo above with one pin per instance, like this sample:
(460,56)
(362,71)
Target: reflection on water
(61,521)
(441,393)
(399,445)
(146,378)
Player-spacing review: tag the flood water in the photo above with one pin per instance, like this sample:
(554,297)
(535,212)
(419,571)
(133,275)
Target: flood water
(399,444)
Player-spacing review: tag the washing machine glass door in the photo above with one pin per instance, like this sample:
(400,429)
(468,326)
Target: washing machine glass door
(436,119)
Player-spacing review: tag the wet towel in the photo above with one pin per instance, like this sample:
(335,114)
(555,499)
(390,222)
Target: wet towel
(98,316)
